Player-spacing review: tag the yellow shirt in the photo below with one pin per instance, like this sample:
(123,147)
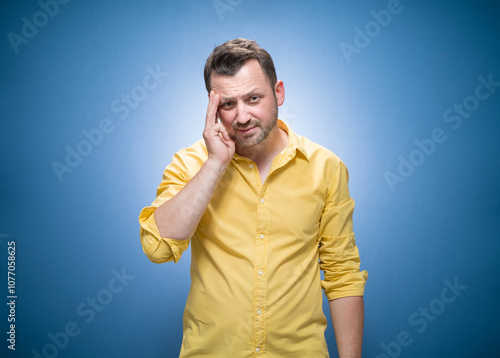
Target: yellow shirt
(256,289)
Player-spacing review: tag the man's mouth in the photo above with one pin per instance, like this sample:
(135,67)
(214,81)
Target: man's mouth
(246,130)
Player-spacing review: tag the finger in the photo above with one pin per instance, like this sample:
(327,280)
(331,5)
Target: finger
(209,105)
(220,131)
(213,105)
(215,130)
(225,136)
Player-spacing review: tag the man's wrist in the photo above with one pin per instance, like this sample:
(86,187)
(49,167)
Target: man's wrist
(216,166)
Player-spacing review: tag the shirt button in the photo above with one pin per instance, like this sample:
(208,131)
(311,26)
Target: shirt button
(257,349)
(261,273)
(261,236)
(261,200)
(259,311)
(250,166)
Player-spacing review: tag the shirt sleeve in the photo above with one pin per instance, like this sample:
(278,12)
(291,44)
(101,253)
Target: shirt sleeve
(160,249)
(338,253)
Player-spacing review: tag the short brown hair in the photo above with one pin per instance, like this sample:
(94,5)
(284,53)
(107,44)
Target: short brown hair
(228,58)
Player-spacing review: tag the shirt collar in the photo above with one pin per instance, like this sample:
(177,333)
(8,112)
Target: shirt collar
(294,142)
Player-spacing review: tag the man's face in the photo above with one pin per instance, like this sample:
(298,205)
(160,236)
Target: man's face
(248,107)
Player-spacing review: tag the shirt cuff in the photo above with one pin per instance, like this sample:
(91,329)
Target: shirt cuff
(156,248)
(352,285)
(339,260)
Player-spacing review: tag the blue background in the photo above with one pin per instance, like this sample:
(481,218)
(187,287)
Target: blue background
(439,222)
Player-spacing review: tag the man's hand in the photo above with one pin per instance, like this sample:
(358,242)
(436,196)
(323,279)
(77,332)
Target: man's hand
(219,145)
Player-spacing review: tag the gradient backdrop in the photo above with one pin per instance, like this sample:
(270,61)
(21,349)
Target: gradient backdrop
(98,95)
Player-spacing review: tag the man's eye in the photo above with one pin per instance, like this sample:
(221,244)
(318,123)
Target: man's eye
(254,98)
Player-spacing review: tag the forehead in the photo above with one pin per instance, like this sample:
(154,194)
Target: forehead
(250,76)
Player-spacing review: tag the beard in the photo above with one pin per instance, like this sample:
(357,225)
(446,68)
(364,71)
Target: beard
(250,140)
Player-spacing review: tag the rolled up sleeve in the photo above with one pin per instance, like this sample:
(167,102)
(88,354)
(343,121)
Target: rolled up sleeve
(157,248)
(177,174)
(338,253)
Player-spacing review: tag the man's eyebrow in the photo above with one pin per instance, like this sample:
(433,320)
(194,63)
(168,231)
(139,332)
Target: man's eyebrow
(229,98)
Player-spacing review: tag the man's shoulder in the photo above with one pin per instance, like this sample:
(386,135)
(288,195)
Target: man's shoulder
(197,149)
(191,158)
(317,152)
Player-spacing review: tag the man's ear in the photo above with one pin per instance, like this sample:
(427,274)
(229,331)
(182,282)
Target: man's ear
(279,92)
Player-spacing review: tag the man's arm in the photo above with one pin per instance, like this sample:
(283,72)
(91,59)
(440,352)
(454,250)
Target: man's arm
(178,217)
(348,317)
(339,259)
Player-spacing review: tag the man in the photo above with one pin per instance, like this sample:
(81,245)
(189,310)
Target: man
(265,210)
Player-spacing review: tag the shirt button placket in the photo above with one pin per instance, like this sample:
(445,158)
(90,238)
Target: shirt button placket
(260,280)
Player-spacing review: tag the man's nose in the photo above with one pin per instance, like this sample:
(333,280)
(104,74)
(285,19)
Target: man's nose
(242,115)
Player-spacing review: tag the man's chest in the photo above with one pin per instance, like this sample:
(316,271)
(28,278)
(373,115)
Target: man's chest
(288,207)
